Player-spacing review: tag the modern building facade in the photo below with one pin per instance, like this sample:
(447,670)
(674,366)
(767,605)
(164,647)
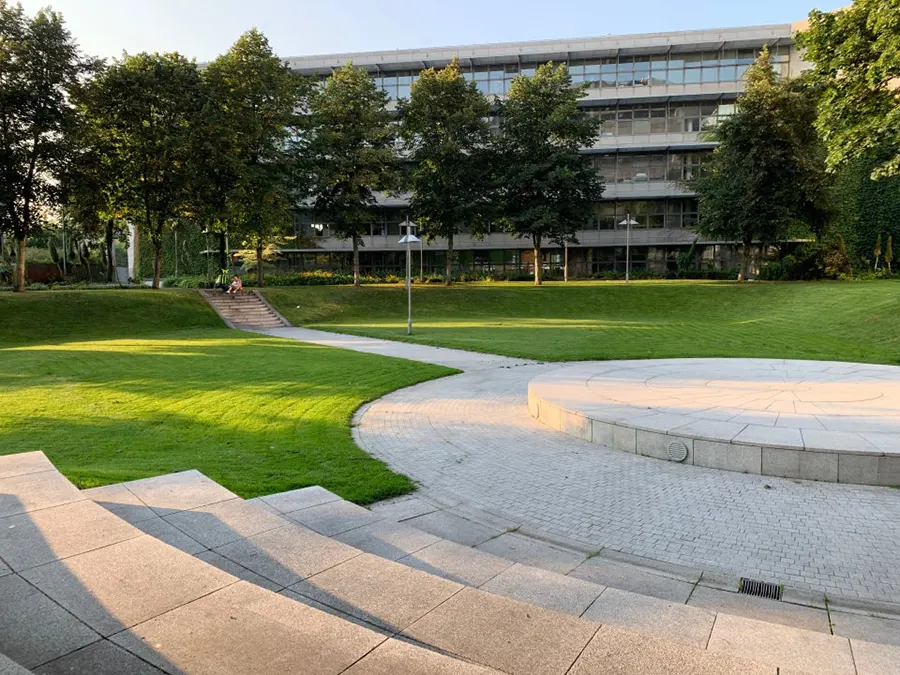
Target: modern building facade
(653,94)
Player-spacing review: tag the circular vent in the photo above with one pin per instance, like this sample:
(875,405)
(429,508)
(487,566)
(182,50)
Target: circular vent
(677,450)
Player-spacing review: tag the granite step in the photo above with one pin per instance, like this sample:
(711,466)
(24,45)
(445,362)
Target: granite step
(245,310)
(83,591)
(309,545)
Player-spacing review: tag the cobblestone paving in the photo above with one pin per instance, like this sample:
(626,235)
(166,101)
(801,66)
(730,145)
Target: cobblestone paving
(470,435)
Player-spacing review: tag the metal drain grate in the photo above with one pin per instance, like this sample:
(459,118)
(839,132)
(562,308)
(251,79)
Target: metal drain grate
(761,589)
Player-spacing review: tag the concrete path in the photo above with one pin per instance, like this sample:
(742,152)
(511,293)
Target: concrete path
(452,358)
(471,436)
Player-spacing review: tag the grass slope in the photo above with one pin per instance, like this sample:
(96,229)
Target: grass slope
(150,383)
(603,320)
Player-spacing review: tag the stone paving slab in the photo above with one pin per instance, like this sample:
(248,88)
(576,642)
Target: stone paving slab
(543,588)
(99,658)
(303,498)
(166,532)
(403,508)
(618,652)
(120,501)
(262,628)
(869,628)
(33,628)
(505,634)
(782,646)
(10,667)
(24,463)
(395,657)
(32,491)
(333,517)
(529,551)
(626,577)
(471,438)
(453,527)
(124,584)
(457,562)
(451,358)
(378,591)
(646,614)
(236,570)
(178,492)
(387,539)
(287,555)
(39,537)
(223,522)
(873,659)
(761,609)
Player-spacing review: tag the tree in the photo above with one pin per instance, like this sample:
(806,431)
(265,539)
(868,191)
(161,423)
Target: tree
(40,65)
(889,253)
(256,106)
(353,153)
(446,132)
(149,105)
(856,52)
(546,187)
(877,251)
(768,172)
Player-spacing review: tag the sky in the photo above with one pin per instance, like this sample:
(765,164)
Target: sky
(203,29)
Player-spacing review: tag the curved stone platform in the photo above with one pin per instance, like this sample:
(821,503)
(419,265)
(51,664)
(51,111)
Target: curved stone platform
(815,420)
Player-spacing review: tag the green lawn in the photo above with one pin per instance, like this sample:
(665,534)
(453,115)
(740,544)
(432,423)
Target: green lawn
(849,321)
(117,385)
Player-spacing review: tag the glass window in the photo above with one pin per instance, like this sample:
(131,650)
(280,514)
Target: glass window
(641,121)
(657,168)
(739,72)
(658,121)
(727,74)
(675,76)
(710,75)
(692,76)
(496,87)
(403,91)
(625,126)
(529,72)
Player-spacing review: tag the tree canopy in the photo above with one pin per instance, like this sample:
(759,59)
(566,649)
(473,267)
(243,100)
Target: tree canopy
(546,187)
(447,133)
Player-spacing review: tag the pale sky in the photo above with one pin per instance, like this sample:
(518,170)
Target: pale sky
(202,29)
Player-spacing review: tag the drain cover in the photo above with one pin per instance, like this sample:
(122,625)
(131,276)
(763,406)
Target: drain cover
(761,589)
(677,450)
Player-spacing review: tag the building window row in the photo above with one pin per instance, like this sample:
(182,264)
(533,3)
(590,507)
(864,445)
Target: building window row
(627,120)
(639,167)
(725,65)
(646,214)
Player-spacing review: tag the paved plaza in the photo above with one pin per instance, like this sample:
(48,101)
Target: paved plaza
(818,420)
(471,438)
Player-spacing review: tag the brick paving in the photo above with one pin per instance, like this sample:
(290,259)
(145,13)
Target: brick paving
(471,436)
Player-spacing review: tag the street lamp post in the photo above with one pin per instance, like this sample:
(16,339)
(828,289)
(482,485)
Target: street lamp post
(409,238)
(628,222)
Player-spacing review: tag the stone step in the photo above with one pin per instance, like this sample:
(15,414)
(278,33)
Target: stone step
(298,543)
(246,310)
(84,591)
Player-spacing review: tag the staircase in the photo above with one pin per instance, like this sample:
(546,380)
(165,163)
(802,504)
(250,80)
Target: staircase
(244,310)
(179,575)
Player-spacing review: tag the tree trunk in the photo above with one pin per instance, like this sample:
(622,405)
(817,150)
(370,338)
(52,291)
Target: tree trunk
(448,263)
(745,263)
(21,245)
(260,276)
(157,260)
(538,263)
(356,278)
(110,252)
(222,262)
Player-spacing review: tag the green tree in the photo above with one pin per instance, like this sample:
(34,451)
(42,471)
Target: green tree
(256,106)
(446,132)
(856,52)
(546,187)
(40,66)
(149,105)
(768,172)
(353,153)
(877,251)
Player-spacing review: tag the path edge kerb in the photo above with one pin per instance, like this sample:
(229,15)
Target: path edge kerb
(856,468)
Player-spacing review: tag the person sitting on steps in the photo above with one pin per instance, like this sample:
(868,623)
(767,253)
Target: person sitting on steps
(236,285)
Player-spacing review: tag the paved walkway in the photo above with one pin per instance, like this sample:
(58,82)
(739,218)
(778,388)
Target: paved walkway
(452,358)
(470,435)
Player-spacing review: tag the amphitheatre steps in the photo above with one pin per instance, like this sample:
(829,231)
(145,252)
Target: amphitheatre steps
(246,309)
(397,579)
